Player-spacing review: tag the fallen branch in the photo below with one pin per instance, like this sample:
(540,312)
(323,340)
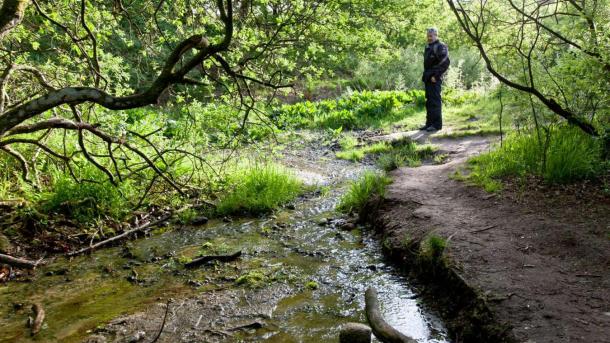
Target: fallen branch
(162,324)
(484,229)
(18,262)
(38,318)
(382,330)
(208,258)
(119,237)
(253,325)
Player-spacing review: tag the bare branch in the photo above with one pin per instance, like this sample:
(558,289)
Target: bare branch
(25,171)
(551,103)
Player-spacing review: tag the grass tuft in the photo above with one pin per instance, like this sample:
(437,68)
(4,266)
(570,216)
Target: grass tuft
(432,248)
(85,201)
(565,156)
(258,189)
(405,153)
(360,191)
(357,154)
(252,279)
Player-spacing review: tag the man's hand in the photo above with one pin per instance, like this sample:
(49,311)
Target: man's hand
(433,79)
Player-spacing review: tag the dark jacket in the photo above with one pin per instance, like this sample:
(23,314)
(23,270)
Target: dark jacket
(436,61)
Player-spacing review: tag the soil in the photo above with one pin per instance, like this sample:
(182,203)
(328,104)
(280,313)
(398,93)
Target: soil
(538,256)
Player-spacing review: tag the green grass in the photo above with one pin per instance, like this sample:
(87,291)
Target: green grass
(258,189)
(358,153)
(471,116)
(433,247)
(360,191)
(569,155)
(88,200)
(252,279)
(405,153)
(355,110)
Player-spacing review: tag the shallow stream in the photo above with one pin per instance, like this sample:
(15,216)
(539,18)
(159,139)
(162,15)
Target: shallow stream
(315,272)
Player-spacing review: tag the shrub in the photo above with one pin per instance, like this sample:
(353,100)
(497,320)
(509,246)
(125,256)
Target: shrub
(566,155)
(360,191)
(258,189)
(402,68)
(87,200)
(351,111)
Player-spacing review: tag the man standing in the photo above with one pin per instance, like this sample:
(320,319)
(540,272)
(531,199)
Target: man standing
(436,63)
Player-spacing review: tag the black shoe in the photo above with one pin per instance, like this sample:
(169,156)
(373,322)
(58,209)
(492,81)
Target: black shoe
(423,128)
(431,129)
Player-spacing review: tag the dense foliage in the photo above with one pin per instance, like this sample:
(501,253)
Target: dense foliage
(561,155)
(143,101)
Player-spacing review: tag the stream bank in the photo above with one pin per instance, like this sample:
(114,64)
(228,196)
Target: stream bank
(520,266)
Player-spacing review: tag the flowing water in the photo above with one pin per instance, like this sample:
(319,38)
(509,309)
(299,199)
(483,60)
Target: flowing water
(316,275)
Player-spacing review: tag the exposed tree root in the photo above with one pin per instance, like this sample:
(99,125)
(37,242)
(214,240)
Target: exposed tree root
(382,330)
(39,315)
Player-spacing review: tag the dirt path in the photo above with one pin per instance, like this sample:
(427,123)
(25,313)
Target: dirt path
(541,260)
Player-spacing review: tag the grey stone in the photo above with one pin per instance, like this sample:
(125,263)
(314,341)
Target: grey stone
(355,333)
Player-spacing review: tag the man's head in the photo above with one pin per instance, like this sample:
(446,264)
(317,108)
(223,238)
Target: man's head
(432,34)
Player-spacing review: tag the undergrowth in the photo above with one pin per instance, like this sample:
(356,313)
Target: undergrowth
(351,111)
(358,153)
(86,199)
(405,153)
(360,191)
(562,155)
(257,189)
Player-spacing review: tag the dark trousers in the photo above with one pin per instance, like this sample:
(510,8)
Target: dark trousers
(434,104)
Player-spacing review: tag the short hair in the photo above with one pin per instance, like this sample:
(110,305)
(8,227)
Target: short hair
(432,30)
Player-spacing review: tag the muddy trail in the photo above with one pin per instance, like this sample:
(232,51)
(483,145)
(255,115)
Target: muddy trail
(533,263)
(302,274)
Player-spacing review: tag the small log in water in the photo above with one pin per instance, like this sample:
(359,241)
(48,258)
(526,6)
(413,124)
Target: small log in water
(209,258)
(382,330)
(119,237)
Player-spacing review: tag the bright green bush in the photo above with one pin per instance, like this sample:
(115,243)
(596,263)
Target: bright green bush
(252,279)
(566,155)
(402,69)
(351,111)
(360,191)
(258,189)
(92,198)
